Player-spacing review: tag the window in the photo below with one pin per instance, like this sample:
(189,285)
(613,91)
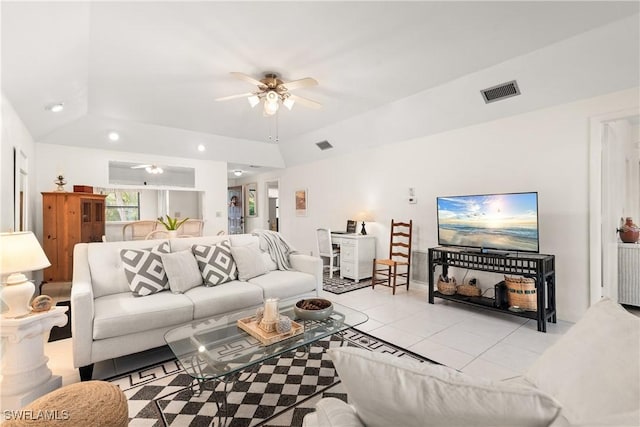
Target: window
(123,205)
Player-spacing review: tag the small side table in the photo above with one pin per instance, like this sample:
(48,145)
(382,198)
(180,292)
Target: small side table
(25,374)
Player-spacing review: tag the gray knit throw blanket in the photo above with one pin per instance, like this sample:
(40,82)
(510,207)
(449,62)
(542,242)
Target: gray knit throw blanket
(277,247)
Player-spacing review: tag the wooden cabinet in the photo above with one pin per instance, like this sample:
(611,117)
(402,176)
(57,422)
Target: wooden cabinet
(67,219)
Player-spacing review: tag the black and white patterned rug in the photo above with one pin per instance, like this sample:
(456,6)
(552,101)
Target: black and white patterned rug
(336,285)
(281,393)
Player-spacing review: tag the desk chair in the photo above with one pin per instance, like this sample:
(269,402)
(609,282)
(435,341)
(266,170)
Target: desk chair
(399,256)
(139,229)
(326,250)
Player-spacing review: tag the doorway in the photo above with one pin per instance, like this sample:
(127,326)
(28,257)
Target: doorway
(235,210)
(273,209)
(614,194)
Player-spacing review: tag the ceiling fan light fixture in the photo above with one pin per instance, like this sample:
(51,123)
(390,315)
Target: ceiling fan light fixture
(288,103)
(154,170)
(253,100)
(270,108)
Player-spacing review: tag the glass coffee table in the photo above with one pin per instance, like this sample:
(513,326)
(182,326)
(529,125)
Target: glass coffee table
(216,350)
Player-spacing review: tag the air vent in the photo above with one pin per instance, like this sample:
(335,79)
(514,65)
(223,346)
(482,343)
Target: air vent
(324,145)
(501,91)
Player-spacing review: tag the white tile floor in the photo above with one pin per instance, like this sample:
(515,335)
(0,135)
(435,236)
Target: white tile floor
(475,341)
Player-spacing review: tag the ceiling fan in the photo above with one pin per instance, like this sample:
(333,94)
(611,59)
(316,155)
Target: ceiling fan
(152,169)
(272,91)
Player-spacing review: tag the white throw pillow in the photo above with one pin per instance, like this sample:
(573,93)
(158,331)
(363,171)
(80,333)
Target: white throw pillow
(182,271)
(594,369)
(332,412)
(249,260)
(390,391)
(144,270)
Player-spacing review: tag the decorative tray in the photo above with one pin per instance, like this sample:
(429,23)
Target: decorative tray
(249,325)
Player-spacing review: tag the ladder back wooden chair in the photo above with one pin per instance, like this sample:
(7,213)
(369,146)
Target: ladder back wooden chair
(327,250)
(385,271)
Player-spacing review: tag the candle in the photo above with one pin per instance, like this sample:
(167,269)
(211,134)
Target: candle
(270,309)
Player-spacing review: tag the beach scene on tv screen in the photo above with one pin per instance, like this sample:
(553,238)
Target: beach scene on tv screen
(501,221)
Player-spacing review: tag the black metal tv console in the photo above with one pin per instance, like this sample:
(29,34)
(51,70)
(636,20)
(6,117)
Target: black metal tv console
(537,266)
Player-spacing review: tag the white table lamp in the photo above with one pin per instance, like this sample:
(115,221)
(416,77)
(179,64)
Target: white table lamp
(365,216)
(19,252)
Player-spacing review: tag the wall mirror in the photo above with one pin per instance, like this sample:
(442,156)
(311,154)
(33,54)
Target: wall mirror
(251,203)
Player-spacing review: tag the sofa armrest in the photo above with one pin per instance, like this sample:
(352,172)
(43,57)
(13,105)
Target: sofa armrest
(332,412)
(81,307)
(308,264)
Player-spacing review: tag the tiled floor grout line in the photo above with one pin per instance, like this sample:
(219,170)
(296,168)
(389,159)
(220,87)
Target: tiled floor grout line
(498,342)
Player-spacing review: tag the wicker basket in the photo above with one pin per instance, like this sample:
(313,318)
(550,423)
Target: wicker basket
(447,287)
(469,290)
(521,292)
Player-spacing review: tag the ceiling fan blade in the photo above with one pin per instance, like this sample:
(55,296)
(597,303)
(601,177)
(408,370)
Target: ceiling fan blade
(246,78)
(242,95)
(140,166)
(295,84)
(306,102)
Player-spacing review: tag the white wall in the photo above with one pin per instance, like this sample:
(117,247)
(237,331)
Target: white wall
(86,166)
(15,134)
(544,151)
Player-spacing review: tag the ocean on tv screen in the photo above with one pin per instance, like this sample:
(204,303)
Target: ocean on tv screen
(498,221)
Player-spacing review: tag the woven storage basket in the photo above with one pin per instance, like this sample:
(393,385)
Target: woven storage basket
(521,292)
(447,287)
(469,290)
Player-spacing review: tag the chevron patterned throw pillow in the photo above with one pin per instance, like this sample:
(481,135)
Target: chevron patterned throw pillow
(215,262)
(144,270)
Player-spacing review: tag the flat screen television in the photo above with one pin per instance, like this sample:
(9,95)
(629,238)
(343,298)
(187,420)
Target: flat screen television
(505,222)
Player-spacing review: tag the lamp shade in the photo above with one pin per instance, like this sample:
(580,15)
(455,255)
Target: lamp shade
(21,252)
(364,216)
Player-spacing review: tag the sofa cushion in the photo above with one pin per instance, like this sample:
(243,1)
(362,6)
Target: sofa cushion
(185,243)
(221,299)
(121,314)
(215,262)
(593,369)
(249,260)
(386,390)
(106,267)
(269,262)
(182,271)
(285,284)
(332,412)
(144,269)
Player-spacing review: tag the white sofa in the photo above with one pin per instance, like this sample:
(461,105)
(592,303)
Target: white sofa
(589,377)
(108,321)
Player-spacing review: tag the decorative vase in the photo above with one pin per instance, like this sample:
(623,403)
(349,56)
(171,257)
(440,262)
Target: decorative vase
(629,232)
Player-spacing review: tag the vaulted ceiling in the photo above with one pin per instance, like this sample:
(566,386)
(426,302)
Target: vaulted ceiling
(151,70)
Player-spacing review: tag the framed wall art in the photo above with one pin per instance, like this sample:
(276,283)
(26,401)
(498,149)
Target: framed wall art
(302,202)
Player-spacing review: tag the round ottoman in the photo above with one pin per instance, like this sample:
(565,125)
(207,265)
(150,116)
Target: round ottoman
(90,403)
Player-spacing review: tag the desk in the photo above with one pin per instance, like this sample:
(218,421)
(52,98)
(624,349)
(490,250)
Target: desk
(356,255)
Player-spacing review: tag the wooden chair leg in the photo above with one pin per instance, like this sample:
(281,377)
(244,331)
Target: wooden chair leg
(408,275)
(395,277)
(373,275)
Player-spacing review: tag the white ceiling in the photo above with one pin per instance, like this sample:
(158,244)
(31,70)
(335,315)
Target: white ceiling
(151,70)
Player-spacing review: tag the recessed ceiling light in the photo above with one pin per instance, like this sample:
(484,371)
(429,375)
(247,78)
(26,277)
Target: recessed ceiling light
(113,136)
(55,108)
(201,147)
(237,172)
